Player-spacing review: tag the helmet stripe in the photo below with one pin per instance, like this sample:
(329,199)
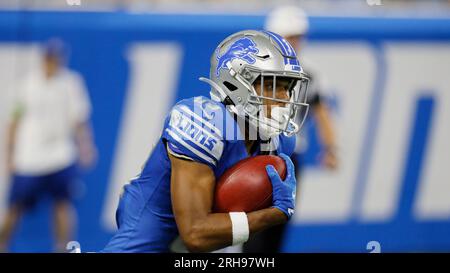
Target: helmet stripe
(285,47)
(287,50)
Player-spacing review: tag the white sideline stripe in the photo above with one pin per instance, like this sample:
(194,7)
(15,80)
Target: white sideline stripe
(188,146)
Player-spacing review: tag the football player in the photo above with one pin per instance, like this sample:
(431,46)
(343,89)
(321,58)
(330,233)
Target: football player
(291,22)
(258,88)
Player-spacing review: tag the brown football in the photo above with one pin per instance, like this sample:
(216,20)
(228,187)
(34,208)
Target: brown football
(246,186)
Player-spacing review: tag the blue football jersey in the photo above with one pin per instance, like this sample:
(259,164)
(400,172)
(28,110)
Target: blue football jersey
(197,129)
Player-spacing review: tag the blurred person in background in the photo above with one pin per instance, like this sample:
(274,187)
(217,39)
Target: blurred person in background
(49,134)
(291,22)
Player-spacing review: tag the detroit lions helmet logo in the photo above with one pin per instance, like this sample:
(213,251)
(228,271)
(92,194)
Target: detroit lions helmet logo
(242,49)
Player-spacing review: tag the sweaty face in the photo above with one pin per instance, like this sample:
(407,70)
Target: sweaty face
(281,91)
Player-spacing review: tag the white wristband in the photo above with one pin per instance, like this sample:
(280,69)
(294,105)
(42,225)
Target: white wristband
(240,228)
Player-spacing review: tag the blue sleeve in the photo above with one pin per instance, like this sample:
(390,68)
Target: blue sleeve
(190,135)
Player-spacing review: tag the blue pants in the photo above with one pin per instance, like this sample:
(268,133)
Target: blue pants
(60,185)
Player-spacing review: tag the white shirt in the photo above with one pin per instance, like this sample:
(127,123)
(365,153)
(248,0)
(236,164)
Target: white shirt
(50,109)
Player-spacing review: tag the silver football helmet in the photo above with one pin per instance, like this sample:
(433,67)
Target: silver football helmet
(252,58)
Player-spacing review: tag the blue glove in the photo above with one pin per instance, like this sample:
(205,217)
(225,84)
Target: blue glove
(283,192)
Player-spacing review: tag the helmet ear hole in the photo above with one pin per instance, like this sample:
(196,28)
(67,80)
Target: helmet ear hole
(230,86)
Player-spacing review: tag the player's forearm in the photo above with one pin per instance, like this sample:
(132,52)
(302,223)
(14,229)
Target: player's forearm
(215,231)
(210,233)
